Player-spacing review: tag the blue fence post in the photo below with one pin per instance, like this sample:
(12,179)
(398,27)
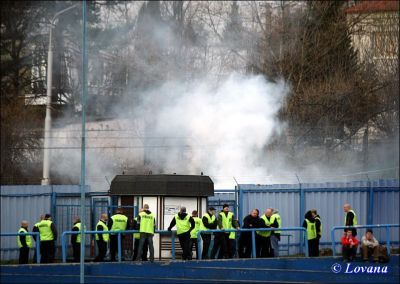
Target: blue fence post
(240,207)
(119,247)
(253,245)
(63,249)
(37,248)
(53,205)
(199,248)
(333,242)
(388,239)
(172,245)
(306,243)
(371,204)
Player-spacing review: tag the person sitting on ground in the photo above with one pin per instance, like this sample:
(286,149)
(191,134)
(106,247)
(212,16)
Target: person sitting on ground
(349,246)
(369,246)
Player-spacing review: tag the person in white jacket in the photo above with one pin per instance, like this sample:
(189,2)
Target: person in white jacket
(369,246)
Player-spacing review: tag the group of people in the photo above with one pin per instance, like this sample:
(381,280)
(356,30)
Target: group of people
(187,228)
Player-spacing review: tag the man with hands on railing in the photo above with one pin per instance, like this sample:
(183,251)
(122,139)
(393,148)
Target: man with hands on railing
(147,226)
(208,222)
(24,243)
(136,237)
(184,225)
(275,235)
(102,239)
(263,238)
(117,222)
(222,242)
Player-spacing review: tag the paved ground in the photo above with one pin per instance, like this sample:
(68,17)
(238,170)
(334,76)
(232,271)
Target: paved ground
(284,270)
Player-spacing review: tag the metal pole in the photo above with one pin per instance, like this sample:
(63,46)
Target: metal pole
(199,246)
(173,245)
(38,248)
(253,245)
(333,242)
(63,248)
(47,120)
(83,144)
(119,248)
(388,240)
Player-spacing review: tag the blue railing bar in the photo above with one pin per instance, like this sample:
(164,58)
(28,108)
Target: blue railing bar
(37,234)
(301,229)
(65,233)
(387,226)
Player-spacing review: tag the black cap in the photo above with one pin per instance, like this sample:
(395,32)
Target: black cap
(225,205)
(47,216)
(211,208)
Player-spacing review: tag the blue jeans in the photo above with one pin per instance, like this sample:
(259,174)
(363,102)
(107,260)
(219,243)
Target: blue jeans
(149,238)
(275,245)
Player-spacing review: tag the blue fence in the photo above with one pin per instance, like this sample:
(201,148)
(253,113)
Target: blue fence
(374,202)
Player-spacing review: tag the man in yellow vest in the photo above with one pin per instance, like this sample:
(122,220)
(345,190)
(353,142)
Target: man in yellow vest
(193,233)
(147,226)
(208,222)
(318,226)
(24,243)
(102,239)
(48,236)
(136,237)
(275,235)
(310,225)
(117,222)
(184,225)
(222,241)
(263,238)
(350,219)
(76,240)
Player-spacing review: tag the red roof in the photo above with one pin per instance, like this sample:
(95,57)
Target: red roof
(373,6)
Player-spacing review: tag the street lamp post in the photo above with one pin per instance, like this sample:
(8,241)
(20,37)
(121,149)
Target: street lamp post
(47,121)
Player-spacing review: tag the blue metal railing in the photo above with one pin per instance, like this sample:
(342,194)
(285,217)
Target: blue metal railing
(118,233)
(27,234)
(386,226)
(253,236)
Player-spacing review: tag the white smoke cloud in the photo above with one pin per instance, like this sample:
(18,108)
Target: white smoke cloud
(227,127)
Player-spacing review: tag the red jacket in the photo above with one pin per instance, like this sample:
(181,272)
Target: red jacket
(348,241)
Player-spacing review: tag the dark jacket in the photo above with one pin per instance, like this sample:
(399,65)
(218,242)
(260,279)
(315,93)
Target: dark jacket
(250,222)
(318,226)
(349,219)
(182,216)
